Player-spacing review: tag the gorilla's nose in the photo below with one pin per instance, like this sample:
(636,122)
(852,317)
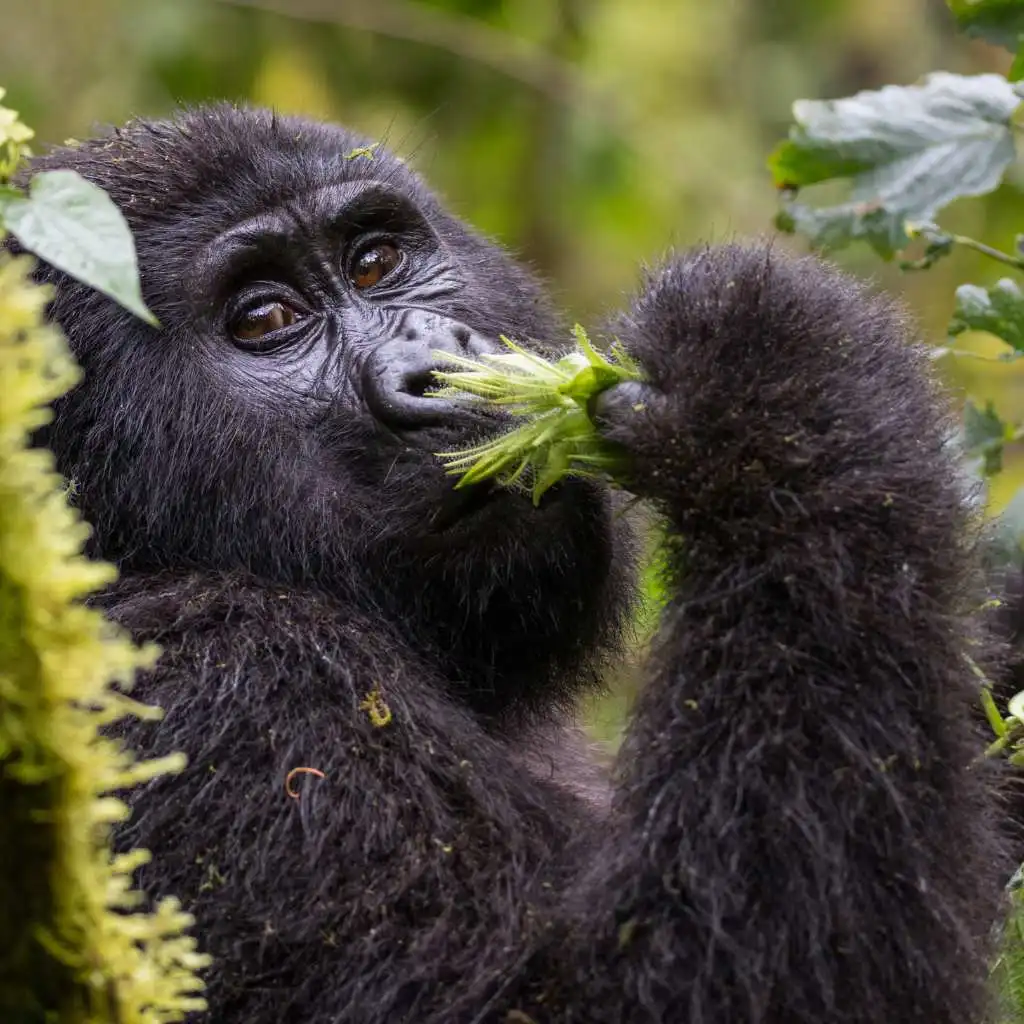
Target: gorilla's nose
(400,372)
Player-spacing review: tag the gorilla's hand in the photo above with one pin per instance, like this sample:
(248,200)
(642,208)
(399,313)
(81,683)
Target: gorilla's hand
(623,415)
(712,331)
(777,389)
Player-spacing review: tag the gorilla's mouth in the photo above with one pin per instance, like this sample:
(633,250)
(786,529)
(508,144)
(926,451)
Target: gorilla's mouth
(463,503)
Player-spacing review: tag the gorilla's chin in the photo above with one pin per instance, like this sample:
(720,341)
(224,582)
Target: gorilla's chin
(493,518)
(463,503)
(501,590)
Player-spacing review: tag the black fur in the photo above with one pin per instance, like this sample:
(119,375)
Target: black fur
(797,832)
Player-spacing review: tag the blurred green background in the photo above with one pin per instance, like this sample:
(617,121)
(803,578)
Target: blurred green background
(587,135)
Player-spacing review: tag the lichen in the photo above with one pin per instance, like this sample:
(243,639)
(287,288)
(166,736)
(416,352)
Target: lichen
(77,943)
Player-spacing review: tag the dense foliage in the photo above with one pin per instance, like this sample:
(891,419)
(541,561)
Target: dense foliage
(907,153)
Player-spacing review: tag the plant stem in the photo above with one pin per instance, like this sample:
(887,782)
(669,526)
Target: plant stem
(987,250)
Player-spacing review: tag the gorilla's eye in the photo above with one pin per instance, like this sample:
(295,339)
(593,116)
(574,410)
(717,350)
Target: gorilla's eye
(258,321)
(372,264)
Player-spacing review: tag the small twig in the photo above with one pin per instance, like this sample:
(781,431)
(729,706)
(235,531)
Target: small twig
(987,250)
(940,243)
(300,771)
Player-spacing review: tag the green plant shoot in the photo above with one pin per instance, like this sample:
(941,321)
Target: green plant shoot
(557,437)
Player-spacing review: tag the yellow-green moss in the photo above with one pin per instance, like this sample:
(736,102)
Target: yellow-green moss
(14,137)
(76,945)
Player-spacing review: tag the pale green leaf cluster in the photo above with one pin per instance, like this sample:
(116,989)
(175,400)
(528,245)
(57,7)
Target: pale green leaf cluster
(68,222)
(907,152)
(552,398)
(86,950)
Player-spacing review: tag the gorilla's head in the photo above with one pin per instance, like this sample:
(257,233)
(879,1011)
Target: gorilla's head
(276,424)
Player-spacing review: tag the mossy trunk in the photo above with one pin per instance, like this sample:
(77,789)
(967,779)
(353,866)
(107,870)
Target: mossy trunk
(75,945)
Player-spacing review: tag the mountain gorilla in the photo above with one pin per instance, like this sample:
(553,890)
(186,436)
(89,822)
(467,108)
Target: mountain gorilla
(384,818)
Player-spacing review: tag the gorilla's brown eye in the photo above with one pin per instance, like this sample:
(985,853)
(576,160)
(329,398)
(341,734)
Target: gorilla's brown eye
(258,321)
(373,264)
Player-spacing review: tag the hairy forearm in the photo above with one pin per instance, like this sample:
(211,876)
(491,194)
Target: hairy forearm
(799,766)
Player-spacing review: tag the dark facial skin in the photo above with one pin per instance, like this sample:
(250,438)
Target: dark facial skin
(302,304)
(330,308)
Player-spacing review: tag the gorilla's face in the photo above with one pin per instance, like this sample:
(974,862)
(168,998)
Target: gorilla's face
(321,314)
(278,422)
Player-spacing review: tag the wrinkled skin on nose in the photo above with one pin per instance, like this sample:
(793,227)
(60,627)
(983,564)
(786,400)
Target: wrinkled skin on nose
(399,374)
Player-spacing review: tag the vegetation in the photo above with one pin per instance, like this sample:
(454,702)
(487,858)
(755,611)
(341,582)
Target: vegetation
(903,155)
(556,436)
(76,944)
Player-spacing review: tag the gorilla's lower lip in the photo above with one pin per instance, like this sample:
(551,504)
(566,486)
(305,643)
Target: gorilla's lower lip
(461,503)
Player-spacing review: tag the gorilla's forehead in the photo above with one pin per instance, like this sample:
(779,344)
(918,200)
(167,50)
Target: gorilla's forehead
(230,162)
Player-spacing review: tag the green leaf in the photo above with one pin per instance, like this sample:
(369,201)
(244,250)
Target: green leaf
(798,161)
(833,227)
(908,152)
(995,719)
(590,381)
(984,436)
(997,21)
(999,310)
(74,226)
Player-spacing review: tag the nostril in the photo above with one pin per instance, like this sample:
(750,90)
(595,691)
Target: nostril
(398,377)
(396,382)
(417,382)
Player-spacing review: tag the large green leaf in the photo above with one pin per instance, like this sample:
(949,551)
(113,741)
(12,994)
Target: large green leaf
(998,21)
(908,151)
(998,310)
(75,227)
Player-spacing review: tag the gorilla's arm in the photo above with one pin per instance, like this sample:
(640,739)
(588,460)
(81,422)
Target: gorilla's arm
(801,834)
